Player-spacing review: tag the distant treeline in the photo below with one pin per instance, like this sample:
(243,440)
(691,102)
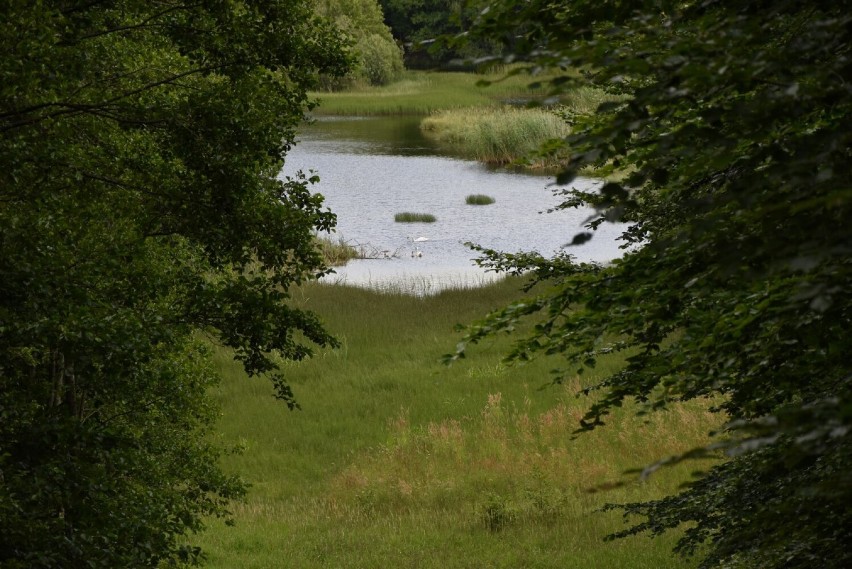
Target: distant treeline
(377,55)
(387,36)
(425,26)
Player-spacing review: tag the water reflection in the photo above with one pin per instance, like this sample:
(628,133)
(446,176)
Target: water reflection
(371,169)
(396,136)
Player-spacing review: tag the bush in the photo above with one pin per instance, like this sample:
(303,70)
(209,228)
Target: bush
(380,59)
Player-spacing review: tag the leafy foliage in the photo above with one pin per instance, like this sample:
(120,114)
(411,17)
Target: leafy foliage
(139,207)
(378,58)
(424,25)
(735,283)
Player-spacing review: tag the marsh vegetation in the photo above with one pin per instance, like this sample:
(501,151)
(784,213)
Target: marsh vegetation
(411,217)
(483,117)
(497,135)
(479,199)
(395,455)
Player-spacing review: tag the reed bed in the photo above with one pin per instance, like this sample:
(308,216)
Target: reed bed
(531,138)
(337,252)
(411,217)
(394,455)
(497,135)
(479,199)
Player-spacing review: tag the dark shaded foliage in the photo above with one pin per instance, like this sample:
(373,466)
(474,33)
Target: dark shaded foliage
(140,144)
(737,279)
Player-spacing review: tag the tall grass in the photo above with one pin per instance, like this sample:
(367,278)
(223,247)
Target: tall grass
(478,199)
(504,134)
(395,456)
(584,100)
(411,217)
(496,135)
(337,252)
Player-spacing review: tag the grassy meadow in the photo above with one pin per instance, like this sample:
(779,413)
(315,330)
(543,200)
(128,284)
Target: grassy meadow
(396,460)
(424,92)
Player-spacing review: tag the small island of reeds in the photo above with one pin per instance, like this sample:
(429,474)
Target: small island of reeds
(478,199)
(409,217)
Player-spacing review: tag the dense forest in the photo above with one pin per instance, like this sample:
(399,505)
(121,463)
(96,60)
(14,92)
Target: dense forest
(141,210)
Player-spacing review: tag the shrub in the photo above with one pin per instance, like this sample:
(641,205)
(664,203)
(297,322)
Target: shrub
(380,59)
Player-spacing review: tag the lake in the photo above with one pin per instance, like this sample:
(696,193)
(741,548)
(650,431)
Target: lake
(373,168)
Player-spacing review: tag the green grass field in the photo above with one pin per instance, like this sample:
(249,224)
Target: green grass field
(424,92)
(396,460)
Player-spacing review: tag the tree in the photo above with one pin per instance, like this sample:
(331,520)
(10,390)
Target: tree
(424,25)
(736,280)
(378,58)
(140,209)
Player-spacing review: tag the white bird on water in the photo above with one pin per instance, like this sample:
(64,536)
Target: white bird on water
(416,252)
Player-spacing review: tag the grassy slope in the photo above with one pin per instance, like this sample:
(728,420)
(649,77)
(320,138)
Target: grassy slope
(398,461)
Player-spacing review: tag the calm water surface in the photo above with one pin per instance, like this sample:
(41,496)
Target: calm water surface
(373,168)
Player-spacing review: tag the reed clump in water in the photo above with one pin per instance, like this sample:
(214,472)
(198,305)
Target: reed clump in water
(497,135)
(479,199)
(410,217)
(337,252)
